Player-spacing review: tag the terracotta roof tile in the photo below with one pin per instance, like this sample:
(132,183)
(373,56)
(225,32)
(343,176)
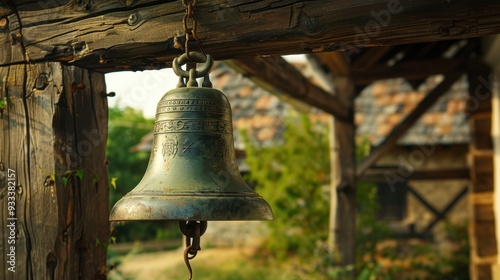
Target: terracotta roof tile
(415,96)
(243,123)
(455,106)
(263,103)
(221,81)
(358,118)
(265,134)
(320,117)
(379,89)
(431,118)
(394,119)
(408,108)
(398,98)
(382,100)
(443,129)
(380,118)
(384,129)
(264,121)
(245,91)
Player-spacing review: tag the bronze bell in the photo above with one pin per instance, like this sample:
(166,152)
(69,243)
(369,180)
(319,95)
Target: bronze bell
(192,173)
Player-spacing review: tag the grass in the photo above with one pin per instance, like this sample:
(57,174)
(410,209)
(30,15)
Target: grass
(227,271)
(210,264)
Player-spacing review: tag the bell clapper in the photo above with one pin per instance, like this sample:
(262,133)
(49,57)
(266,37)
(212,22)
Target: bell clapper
(193,230)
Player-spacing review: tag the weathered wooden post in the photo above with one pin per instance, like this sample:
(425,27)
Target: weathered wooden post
(53,179)
(345,231)
(483,242)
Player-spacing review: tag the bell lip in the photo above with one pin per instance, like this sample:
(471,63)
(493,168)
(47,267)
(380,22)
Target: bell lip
(167,208)
(194,220)
(204,194)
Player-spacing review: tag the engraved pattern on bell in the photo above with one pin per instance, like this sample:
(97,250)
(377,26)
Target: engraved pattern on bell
(169,147)
(196,176)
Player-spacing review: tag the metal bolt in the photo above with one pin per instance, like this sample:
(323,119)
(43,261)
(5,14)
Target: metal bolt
(3,23)
(133,19)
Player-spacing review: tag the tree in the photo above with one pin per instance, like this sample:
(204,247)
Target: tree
(292,176)
(125,167)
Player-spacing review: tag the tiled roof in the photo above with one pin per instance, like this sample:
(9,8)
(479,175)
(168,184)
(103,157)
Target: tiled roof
(379,107)
(254,110)
(384,104)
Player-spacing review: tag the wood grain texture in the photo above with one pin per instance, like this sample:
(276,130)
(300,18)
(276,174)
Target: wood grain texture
(62,228)
(482,235)
(346,191)
(100,36)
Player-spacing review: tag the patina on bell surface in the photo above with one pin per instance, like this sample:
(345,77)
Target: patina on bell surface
(192,173)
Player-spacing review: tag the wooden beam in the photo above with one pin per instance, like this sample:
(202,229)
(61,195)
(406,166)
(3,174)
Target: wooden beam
(411,70)
(438,214)
(112,35)
(399,130)
(336,63)
(380,174)
(447,208)
(370,57)
(278,76)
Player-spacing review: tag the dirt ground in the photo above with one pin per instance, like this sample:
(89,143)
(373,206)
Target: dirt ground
(159,265)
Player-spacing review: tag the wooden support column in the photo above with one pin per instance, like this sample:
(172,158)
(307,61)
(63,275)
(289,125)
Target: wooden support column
(343,161)
(483,243)
(345,232)
(495,135)
(53,173)
(54,204)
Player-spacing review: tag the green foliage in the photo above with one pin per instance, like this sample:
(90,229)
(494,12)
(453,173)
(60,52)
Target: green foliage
(3,103)
(454,266)
(369,231)
(113,182)
(291,176)
(125,168)
(243,270)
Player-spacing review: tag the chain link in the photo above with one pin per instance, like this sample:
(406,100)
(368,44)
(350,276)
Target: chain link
(190,31)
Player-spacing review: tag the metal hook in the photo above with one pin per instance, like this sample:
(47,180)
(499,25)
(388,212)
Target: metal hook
(186,261)
(193,230)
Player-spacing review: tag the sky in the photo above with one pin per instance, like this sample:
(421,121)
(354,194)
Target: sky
(144,89)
